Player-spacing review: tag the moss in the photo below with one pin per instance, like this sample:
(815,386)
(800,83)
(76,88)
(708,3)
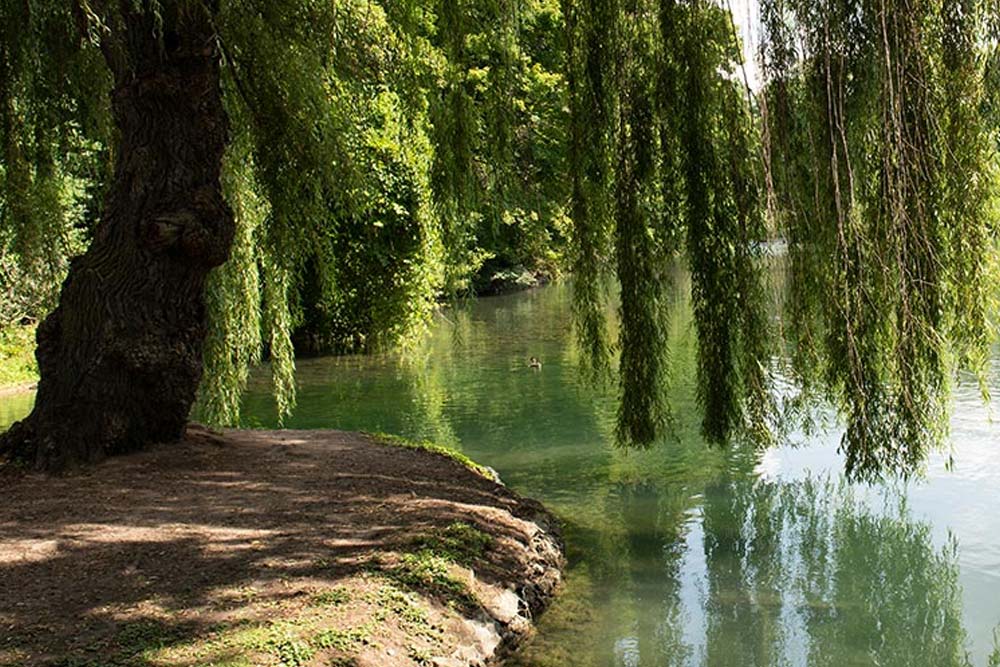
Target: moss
(343,640)
(459,543)
(428,572)
(390,599)
(441,450)
(419,655)
(332,598)
(411,616)
(289,642)
(133,646)
(291,652)
(343,661)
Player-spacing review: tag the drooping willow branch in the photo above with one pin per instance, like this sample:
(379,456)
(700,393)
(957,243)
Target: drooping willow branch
(881,171)
(682,183)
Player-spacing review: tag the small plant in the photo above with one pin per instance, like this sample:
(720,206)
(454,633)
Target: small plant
(332,598)
(424,569)
(143,635)
(133,642)
(411,616)
(291,652)
(427,571)
(343,661)
(401,604)
(343,640)
(421,656)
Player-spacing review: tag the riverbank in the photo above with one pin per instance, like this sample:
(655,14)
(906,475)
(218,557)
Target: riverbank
(291,548)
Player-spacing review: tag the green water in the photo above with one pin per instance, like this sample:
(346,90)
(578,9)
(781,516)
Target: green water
(684,555)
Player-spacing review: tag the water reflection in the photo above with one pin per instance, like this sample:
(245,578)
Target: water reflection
(756,573)
(686,555)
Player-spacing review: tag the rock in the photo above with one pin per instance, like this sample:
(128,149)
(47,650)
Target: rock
(447,662)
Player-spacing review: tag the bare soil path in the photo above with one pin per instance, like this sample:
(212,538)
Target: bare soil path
(284,548)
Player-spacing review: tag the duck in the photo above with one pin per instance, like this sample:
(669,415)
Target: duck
(535,363)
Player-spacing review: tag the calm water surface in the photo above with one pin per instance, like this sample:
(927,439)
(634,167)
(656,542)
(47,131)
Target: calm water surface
(686,555)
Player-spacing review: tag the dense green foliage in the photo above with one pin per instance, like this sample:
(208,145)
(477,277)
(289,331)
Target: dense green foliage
(883,181)
(17,355)
(670,169)
(875,161)
(53,161)
(386,155)
(383,156)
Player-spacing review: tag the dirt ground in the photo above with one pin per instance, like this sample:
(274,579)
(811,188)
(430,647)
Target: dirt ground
(282,548)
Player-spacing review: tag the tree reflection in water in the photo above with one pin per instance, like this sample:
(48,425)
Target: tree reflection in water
(759,573)
(682,554)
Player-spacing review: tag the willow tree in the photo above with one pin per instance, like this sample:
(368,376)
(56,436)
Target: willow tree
(882,170)
(120,358)
(664,147)
(305,141)
(875,161)
(336,152)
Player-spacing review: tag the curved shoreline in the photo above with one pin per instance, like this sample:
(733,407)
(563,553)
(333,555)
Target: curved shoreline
(246,547)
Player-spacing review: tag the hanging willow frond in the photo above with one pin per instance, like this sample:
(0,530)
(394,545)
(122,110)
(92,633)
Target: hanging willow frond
(881,175)
(684,179)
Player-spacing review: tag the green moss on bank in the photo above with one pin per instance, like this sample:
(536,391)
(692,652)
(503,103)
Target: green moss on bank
(369,612)
(459,543)
(434,448)
(17,355)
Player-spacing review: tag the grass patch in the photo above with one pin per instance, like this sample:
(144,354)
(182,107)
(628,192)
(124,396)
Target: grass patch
(332,598)
(390,599)
(459,543)
(419,655)
(427,569)
(343,661)
(133,646)
(344,640)
(304,639)
(291,651)
(441,450)
(412,618)
(17,355)
(428,572)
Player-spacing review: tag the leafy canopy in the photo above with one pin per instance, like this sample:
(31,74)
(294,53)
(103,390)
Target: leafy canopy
(386,154)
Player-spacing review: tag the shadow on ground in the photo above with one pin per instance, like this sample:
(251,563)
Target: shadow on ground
(164,546)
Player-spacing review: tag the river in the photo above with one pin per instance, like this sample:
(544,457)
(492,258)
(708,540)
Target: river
(686,554)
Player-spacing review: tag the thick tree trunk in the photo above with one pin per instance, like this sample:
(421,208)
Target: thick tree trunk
(121,356)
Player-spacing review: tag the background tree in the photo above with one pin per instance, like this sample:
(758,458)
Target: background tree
(358,161)
(332,171)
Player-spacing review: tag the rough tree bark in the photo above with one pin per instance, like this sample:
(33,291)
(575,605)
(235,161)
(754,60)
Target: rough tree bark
(120,358)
